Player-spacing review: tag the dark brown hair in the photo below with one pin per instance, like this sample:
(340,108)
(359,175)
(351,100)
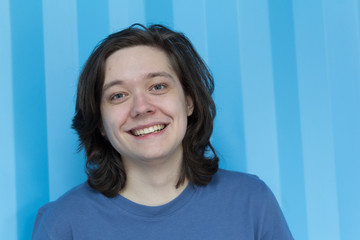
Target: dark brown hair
(104,166)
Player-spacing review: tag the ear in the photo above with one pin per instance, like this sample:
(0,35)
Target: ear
(189,105)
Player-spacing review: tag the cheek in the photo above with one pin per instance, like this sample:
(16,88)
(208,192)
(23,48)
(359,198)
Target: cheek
(178,103)
(175,108)
(112,120)
(179,109)
(106,126)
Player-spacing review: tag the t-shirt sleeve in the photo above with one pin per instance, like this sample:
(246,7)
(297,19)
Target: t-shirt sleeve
(49,225)
(273,224)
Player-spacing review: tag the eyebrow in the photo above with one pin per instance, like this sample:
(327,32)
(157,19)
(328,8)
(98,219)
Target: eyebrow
(147,76)
(159,74)
(112,83)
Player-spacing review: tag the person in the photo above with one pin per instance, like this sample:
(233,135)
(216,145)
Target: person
(144,115)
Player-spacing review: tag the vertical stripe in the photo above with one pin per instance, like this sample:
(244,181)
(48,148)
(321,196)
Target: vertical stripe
(316,124)
(358,17)
(7,171)
(92,25)
(159,12)
(192,22)
(29,112)
(123,13)
(228,136)
(258,93)
(357,13)
(66,168)
(287,114)
(343,71)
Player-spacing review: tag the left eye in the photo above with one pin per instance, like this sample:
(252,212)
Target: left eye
(158,87)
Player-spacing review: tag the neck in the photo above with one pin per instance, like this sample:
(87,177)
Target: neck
(153,184)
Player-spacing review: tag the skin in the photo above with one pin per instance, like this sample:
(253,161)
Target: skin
(141,90)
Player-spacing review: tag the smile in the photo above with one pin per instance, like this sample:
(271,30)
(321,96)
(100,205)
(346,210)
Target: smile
(145,131)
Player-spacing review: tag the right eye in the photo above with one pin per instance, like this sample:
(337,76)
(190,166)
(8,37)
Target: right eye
(117,97)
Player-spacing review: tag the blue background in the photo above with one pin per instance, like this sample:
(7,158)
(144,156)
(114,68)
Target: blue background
(287,92)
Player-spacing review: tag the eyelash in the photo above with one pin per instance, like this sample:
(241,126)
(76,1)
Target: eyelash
(158,88)
(116,96)
(162,85)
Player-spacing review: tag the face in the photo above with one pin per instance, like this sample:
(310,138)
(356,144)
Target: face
(144,109)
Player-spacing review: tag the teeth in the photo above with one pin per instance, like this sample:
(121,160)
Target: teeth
(152,129)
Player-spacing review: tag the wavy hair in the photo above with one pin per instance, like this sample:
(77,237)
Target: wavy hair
(104,166)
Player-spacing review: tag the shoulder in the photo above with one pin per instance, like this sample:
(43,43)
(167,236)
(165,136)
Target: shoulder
(242,191)
(230,175)
(57,216)
(248,195)
(238,181)
(75,199)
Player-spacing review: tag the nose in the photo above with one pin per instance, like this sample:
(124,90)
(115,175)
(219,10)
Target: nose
(141,105)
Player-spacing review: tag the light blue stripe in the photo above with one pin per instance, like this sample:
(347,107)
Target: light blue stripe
(92,26)
(258,93)
(8,229)
(123,13)
(192,22)
(32,189)
(343,59)
(159,12)
(288,115)
(316,124)
(228,136)
(358,15)
(66,168)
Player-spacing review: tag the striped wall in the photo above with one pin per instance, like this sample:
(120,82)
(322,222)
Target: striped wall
(287,91)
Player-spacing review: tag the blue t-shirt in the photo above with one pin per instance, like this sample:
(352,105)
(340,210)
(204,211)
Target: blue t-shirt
(232,206)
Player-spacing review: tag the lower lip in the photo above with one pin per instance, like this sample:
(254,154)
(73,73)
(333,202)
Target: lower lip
(150,135)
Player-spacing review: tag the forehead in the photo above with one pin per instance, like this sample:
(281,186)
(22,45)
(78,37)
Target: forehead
(136,61)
